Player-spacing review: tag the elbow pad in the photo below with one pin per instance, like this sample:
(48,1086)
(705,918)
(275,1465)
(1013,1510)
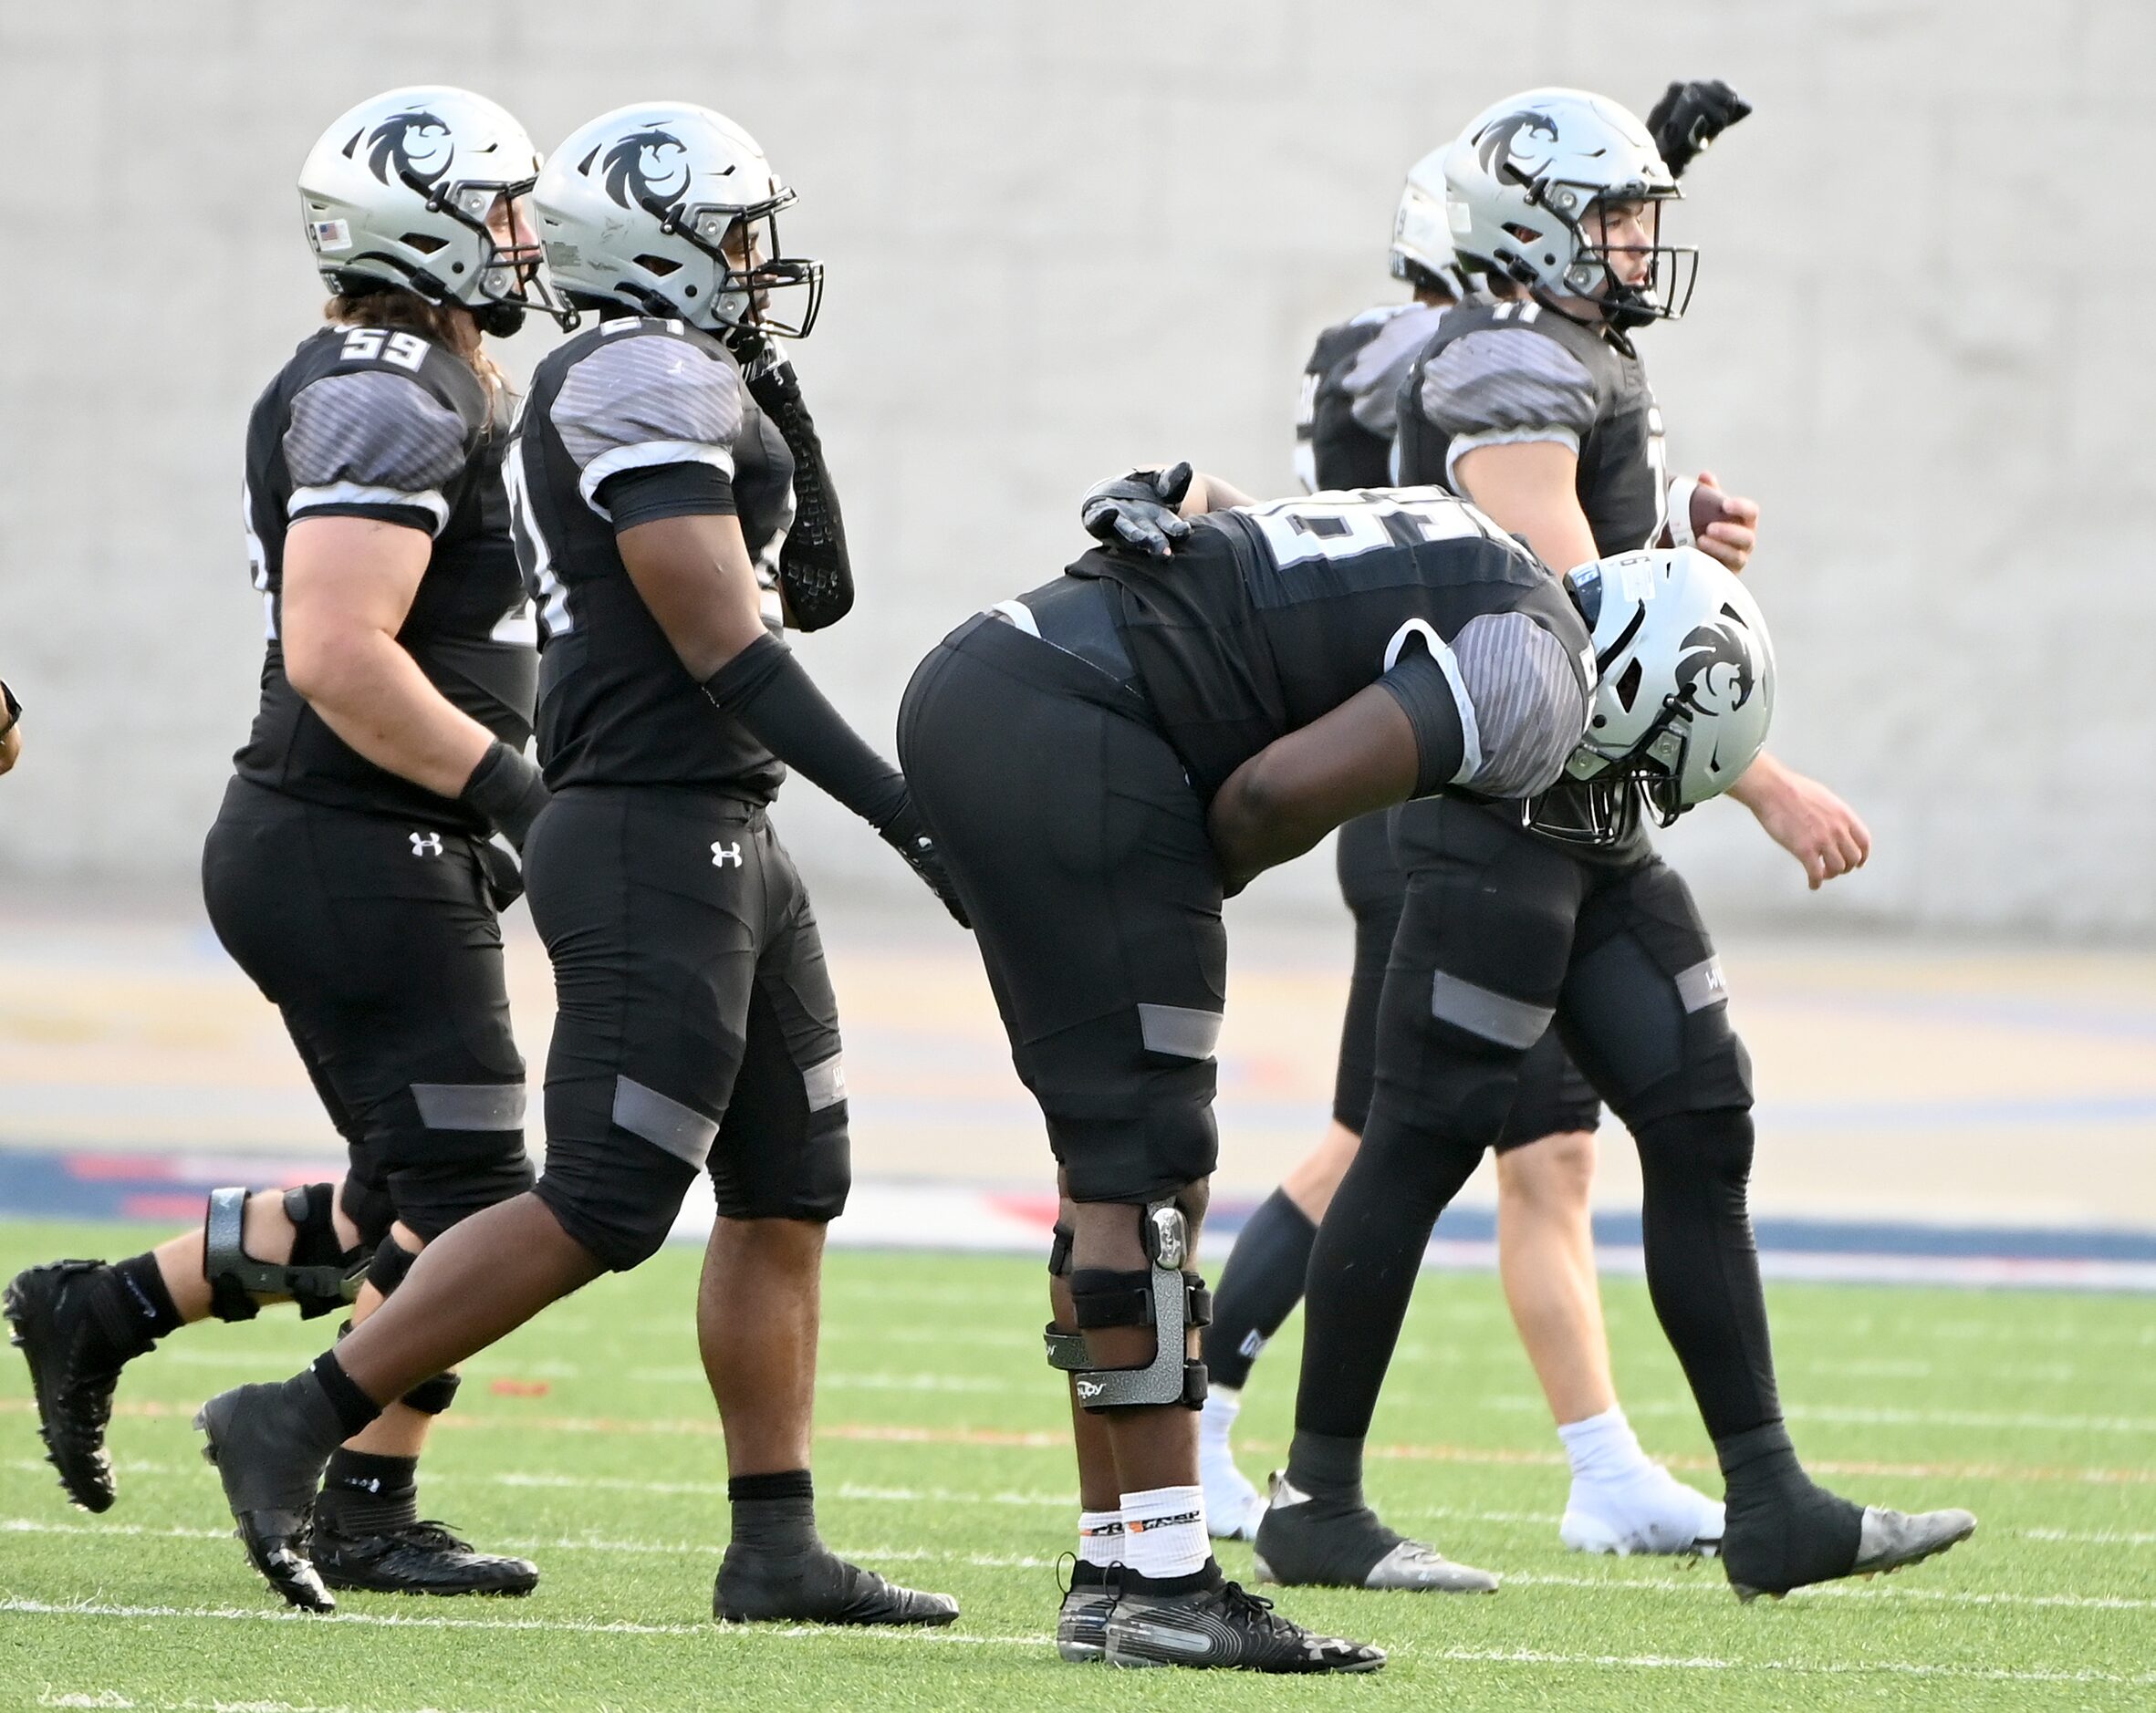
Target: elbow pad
(814,573)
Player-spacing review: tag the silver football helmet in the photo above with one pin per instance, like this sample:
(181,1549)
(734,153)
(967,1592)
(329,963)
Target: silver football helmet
(1684,687)
(1521,182)
(402,189)
(672,209)
(1422,235)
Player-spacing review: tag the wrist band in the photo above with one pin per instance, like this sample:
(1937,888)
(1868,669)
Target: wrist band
(1681,489)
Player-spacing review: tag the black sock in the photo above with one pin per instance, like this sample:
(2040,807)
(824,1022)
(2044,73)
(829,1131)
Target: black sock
(131,1310)
(1702,1267)
(1363,1268)
(1208,1575)
(354,1409)
(774,1512)
(1328,1466)
(1259,1287)
(363,1494)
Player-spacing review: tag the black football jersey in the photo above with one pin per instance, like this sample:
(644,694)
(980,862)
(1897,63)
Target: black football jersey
(1496,373)
(635,395)
(1499,373)
(1268,617)
(1343,429)
(372,423)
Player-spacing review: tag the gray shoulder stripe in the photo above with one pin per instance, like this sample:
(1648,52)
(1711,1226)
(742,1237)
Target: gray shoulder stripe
(1179,1031)
(1530,706)
(470,1105)
(1490,380)
(1490,1016)
(663,1122)
(646,391)
(372,429)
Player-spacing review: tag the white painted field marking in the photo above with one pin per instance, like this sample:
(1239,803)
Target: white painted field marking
(931,1638)
(2089,1537)
(1705,1584)
(1859,1667)
(1871,1415)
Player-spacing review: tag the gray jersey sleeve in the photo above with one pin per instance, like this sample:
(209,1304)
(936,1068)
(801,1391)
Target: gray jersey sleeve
(1373,380)
(1499,387)
(644,401)
(368,437)
(1523,705)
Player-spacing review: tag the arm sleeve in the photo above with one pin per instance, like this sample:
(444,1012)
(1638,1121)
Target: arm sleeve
(643,402)
(369,443)
(1373,380)
(1500,387)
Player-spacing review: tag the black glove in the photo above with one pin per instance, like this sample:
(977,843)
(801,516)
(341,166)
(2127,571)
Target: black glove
(1689,117)
(501,872)
(905,835)
(814,571)
(1138,510)
(507,787)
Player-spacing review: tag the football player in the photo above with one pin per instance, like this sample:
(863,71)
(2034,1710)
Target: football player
(1552,907)
(1099,760)
(351,871)
(1619,1500)
(11,734)
(656,460)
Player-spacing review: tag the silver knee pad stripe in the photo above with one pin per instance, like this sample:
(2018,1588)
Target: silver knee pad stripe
(1509,1022)
(470,1105)
(667,1124)
(1179,1030)
(824,1083)
(1703,985)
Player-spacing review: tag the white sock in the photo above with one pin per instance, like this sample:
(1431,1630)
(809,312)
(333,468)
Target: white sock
(1100,1538)
(1216,1419)
(1164,1531)
(1603,1449)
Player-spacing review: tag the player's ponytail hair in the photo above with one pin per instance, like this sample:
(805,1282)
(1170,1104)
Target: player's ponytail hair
(449,325)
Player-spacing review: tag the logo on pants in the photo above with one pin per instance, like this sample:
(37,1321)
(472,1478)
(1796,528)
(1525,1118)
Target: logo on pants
(721,854)
(426,844)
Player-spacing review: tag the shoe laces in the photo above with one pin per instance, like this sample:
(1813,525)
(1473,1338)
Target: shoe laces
(1255,1610)
(428,1531)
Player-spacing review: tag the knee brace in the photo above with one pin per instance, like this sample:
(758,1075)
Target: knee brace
(1066,1350)
(322,1276)
(368,1206)
(1163,1296)
(391,1261)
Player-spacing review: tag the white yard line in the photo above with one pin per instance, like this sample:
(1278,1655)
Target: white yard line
(1874,1415)
(914,1638)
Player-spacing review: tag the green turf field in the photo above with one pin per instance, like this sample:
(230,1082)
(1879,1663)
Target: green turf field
(940,1461)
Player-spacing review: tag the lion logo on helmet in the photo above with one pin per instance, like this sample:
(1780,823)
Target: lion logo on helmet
(1518,146)
(647,167)
(1714,672)
(408,146)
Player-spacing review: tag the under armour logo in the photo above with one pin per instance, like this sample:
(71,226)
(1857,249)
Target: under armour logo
(721,854)
(426,844)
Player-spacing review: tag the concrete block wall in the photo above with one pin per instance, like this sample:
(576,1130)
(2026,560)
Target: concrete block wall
(1062,239)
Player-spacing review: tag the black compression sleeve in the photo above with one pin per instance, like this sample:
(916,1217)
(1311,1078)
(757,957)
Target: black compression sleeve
(1426,695)
(814,571)
(643,496)
(766,690)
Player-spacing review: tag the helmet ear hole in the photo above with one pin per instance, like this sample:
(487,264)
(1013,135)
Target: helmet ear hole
(660,264)
(1628,684)
(425,242)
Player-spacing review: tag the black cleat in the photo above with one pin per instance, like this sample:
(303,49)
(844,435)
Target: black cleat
(1081,1626)
(50,1308)
(757,1585)
(251,1431)
(1224,1628)
(419,1558)
(1319,1543)
(1886,1541)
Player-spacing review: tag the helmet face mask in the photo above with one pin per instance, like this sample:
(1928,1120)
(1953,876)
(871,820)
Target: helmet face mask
(672,209)
(404,191)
